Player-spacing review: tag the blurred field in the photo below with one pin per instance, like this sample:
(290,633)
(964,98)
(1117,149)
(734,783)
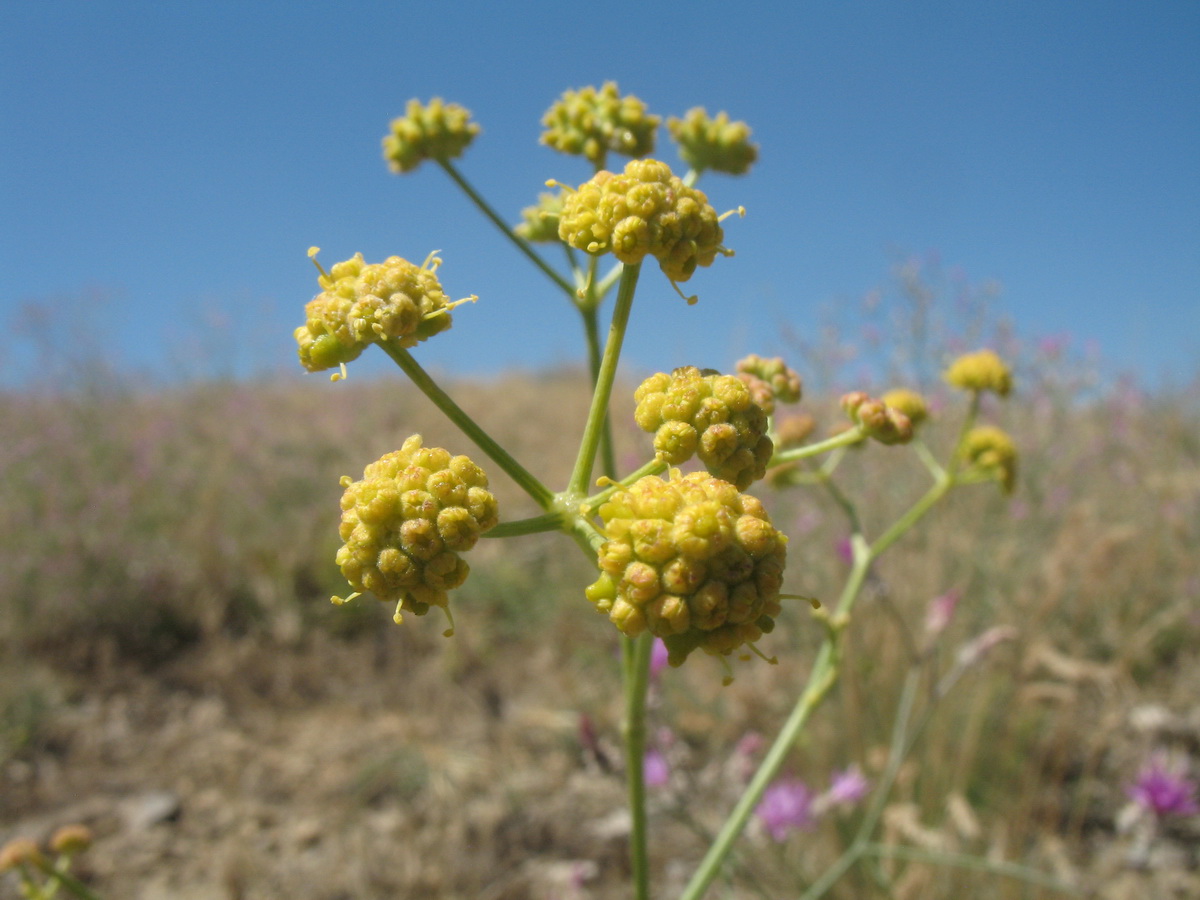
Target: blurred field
(174,675)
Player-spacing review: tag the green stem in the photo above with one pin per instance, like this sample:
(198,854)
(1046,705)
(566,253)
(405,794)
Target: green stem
(551,521)
(636,658)
(845,439)
(530,484)
(521,244)
(591,327)
(605,377)
(70,882)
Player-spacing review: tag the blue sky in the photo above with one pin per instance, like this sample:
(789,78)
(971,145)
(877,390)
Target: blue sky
(165,166)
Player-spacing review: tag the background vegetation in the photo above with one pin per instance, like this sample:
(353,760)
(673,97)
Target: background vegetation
(167,639)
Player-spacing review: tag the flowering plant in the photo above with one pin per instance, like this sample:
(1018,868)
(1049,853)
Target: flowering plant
(686,561)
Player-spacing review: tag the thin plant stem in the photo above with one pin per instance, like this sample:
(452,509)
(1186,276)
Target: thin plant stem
(845,439)
(636,659)
(591,327)
(598,413)
(419,377)
(67,880)
(521,244)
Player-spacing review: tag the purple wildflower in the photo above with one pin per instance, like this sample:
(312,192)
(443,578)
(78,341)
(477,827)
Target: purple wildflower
(658,658)
(940,612)
(847,787)
(655,769)
(1163,788)
(786,804)
(845,550)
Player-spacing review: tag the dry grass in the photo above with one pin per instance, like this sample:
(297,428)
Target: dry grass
(167,568)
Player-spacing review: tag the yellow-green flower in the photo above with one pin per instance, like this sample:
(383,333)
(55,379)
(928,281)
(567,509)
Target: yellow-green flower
(877,419)
(991,451)
(364,303)
(980,371)
(908,402)
(437,131)
(406,522)
(644,211)
(717,144)
(706,414)
(591,123)
(780,382)
(541,221)
(692,561)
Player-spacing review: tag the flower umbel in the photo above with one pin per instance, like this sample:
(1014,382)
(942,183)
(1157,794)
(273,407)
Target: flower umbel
(717,144)
(591,122)
(405,524)
(703,413)
(645,211)
(692,561)
(437,131)
(980,371)
(364,303)
(992,453)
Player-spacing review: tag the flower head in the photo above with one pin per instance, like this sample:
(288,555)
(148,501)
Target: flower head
(1163,788)
(691,561)
(909,402)
(786,806)
(992,453)
(541,221)
(364,303)
(656,771)
(439,131)
(644,211)
(405,524)
(591,122)
(847,787)
(703,413)
(772,378)
(717,144)
(980,371)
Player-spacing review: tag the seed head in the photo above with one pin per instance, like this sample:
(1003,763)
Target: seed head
(717,144)
(692,561)
(706,414)
(591,122)
(405,524)
(437,131)
(980,371)
(645,211)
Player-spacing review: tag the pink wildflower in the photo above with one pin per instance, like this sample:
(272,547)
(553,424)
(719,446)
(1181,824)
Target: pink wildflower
(1163,788)
(786,805)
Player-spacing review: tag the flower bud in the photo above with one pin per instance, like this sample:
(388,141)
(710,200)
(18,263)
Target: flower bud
(71,839)
(980,371)
(717,144)
(19,852)
(694,412)
(692,561)
(437,131)
(591,122)
(877,419)
(405,524)
(780,382)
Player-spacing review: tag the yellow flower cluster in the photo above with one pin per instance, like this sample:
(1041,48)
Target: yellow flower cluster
(909,402)
(717,144)
(692,561)
(644,211)
(770,380)
(406,522)
(706,414)
(591,122)
(878,420)
(980,371)
(541,221)
(367,303)
(437,131)
(991,451)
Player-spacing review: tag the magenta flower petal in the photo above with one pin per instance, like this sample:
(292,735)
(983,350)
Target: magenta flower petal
(786,805)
